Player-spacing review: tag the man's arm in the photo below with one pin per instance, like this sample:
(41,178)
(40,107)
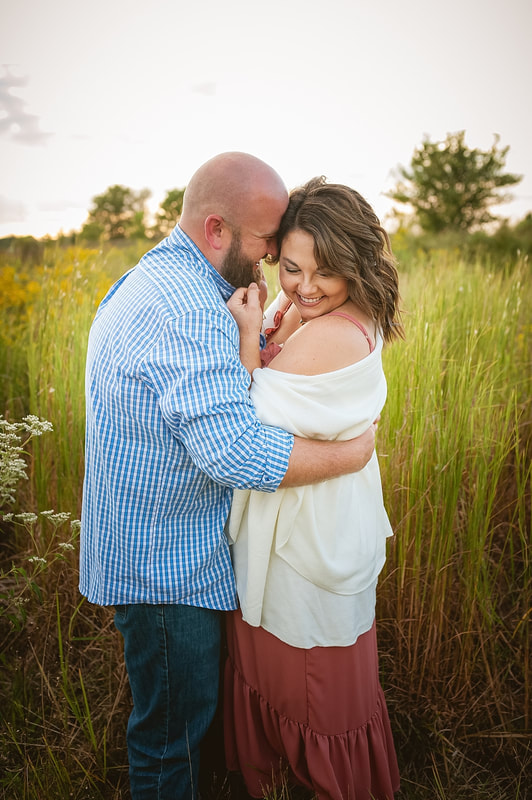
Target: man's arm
(313,461)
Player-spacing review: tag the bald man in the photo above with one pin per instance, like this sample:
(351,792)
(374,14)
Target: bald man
(170,433)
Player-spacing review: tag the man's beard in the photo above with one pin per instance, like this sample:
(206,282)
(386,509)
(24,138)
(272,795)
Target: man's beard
(236,268)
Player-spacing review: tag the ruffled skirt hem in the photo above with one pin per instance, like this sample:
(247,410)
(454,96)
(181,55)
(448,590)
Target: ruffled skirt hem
(328,727)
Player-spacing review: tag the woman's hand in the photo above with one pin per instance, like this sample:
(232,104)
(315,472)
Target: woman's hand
(245,306)
(260,280)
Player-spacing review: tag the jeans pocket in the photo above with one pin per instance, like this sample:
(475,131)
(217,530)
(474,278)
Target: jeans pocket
(121,612)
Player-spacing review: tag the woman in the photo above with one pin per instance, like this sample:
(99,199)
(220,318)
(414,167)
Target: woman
(302,692)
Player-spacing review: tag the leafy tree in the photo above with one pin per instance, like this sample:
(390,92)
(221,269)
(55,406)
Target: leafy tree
(92,232)
(25,249)
(523,230)
(452,187)
(118,213)
(169,212)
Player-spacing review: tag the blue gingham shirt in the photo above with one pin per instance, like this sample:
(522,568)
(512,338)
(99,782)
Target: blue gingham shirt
(170,431)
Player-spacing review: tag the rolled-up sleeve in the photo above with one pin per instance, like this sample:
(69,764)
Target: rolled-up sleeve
(201,388)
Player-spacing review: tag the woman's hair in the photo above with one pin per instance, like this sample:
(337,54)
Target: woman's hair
(349,241)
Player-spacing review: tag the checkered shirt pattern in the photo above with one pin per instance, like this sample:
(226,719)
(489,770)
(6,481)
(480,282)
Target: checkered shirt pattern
(170,432)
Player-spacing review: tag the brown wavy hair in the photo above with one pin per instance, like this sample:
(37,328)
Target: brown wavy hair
(349,241)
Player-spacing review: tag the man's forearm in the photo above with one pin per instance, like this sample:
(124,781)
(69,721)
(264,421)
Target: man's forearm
(313,461)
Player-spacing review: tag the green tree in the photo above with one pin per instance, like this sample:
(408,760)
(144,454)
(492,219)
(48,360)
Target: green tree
(523,231)
(169,212)
(118,213)
(450,186)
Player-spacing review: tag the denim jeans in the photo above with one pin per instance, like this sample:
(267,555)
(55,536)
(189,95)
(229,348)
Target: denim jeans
(172,658)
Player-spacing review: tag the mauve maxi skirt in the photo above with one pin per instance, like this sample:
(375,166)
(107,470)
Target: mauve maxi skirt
(317,717)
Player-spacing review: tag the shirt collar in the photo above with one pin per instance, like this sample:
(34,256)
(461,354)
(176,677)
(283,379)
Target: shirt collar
(178,238)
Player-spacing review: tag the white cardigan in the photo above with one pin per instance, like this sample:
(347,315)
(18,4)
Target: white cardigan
(307,558)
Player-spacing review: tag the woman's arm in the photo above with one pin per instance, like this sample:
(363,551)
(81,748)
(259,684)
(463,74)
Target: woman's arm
(290,319)
(246,308)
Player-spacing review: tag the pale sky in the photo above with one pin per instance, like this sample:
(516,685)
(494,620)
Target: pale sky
(142,93)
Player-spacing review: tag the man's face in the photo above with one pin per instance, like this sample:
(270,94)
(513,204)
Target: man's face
(240,268)
(252,240)
(237,268)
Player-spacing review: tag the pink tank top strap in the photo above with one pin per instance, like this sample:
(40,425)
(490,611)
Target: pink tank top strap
(358,324)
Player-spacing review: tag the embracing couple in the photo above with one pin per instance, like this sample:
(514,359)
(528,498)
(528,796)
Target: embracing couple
(230,467)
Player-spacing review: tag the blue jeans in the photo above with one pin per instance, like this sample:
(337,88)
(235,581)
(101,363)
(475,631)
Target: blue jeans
(172,658)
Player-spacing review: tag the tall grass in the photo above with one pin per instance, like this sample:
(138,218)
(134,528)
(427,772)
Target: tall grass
(455,455)
(454,598)
(53,334)
(63,683)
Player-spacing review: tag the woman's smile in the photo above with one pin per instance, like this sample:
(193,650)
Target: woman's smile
(312,288)
(310,300)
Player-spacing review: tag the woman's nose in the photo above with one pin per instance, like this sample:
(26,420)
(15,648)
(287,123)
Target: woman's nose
(306,284)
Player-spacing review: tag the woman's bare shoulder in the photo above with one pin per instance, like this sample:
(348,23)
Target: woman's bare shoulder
(324,344)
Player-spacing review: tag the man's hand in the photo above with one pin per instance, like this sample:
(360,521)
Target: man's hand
(364,445)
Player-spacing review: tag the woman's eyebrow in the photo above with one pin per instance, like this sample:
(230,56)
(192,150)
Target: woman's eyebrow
(289,260)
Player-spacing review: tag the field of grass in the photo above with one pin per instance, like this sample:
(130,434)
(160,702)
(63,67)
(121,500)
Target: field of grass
(454,598)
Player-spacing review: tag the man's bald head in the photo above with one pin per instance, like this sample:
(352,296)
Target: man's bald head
(230,184)
(235,200)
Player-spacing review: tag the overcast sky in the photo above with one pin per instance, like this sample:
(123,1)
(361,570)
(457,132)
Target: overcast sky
(142,93)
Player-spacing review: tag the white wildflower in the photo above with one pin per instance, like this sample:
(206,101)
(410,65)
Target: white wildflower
(13,437)
(36,560)
(36,426)
(28,518)
(59,517)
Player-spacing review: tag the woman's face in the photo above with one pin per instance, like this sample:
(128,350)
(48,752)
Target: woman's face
(313,290)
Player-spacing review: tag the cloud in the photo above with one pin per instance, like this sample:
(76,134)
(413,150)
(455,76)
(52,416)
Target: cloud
(12,211)
(15,122)
(208,88)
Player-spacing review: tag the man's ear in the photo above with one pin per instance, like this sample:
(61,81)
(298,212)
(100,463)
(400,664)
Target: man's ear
(215,229)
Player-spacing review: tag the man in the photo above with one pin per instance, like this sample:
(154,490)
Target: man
(170,432)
